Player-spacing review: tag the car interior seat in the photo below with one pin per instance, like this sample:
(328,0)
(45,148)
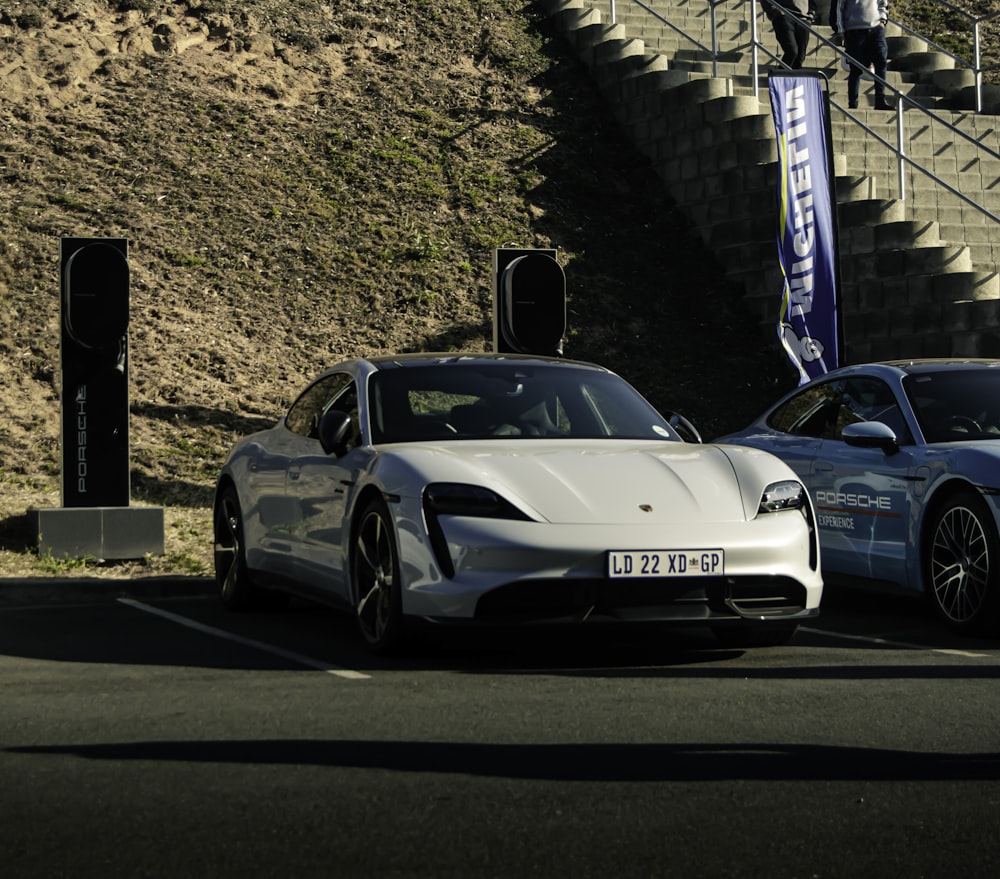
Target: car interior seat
(473,419)
(537,422)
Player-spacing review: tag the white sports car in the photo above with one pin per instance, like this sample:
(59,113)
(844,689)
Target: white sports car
(503,489)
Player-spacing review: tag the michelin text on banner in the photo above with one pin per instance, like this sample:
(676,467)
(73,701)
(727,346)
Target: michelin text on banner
(808,323)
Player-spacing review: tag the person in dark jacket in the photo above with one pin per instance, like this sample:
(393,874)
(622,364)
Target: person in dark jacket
(860,25)
(787,17)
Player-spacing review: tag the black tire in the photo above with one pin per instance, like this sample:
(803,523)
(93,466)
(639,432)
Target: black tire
(375,580)
(235,585)
(755,634)
(962,563)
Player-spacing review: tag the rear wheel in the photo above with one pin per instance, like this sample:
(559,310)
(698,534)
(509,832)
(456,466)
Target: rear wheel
(375,579)
(962,564)
(237,591)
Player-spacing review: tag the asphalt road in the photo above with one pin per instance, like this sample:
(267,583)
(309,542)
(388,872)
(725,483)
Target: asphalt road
(149,734)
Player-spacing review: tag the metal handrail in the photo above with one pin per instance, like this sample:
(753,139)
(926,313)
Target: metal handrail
(902,101)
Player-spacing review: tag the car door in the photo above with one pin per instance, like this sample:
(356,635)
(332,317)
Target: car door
(268,515)
(796,427)
(319,488)
(863,495)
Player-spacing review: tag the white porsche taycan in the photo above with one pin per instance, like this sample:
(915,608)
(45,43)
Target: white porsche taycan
(498,490)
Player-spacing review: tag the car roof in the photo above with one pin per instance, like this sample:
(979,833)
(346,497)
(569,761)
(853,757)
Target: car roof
(449,358)
(937,364)
(917,366)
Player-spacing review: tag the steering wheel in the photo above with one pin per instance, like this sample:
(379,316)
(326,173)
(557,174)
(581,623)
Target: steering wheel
(442,426)
(434,428)
(964,422)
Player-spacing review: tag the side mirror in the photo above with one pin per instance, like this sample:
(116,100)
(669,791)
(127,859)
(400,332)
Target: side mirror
(334,432)
(871,435)
(685,429)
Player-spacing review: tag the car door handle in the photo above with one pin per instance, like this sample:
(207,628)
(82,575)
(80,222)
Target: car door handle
(823,466)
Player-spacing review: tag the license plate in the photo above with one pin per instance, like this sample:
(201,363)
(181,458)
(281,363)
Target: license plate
(666,563)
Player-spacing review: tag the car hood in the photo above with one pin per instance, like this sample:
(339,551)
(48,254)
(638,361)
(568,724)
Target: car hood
(599,481)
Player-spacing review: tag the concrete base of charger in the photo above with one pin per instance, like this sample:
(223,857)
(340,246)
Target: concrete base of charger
(98,532)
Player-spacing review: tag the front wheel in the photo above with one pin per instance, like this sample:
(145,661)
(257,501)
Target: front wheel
(375,578)
(962,563)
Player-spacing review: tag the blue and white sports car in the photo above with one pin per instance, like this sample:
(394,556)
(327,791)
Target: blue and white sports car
(497,489)
(902,462)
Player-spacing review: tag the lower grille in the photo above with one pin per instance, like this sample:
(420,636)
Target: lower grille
(675,599)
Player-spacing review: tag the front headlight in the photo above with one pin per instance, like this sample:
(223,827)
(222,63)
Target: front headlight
(456,499)
(785,495)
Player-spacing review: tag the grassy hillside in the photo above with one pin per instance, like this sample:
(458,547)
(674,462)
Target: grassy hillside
(305,182)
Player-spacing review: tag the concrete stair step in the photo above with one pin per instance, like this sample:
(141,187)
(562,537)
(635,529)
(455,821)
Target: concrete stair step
(870,212)
(729,69)
(700,55)
(611,51)
(855,188)
(583,39)
(893,235)
(572,18)
(966,286)
(924,63)
(923,290)
(904,44)
(902,263)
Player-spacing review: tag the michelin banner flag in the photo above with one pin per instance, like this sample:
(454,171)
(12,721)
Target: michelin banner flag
(809,321)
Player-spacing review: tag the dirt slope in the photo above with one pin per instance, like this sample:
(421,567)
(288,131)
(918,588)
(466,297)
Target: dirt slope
(300,186)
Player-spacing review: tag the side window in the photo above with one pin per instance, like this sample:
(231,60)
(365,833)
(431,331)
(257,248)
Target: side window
(304,414)
(810,413)
(347,401)
(870,399)
(825,410)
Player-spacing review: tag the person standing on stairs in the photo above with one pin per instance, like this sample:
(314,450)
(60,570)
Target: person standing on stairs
(787,17)
(860,26)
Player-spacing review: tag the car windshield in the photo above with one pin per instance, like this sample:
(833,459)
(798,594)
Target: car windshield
(485,401)
(956,405)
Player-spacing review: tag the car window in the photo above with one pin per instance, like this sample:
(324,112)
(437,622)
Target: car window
(824,410)
(482,401)
(304,415)
(346,400)
(611,412)
(812,412)
(956,405)
(871,399)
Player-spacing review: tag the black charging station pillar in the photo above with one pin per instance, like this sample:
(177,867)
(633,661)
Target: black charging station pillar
(94,351)
(529,302)
(95,519)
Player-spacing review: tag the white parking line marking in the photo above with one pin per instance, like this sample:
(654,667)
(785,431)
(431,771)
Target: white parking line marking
(340,672)
(884,642)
